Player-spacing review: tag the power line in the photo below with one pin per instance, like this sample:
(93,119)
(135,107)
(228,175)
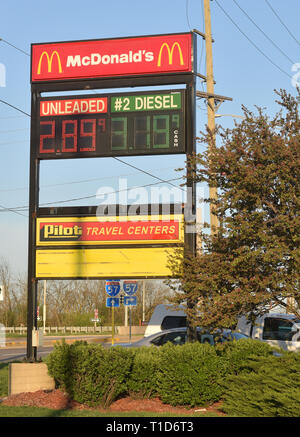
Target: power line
(124,162)
(7,143)
(190,28)
(77,181)
(14,107)
(265,35)
(15,47)
(144,171)
(11,210)
(286,28)
(12,116)
(13,130)
(25,208)
(251,42)
(202,48)
(187,14)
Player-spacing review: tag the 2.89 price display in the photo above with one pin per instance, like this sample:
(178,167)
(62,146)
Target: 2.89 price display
(129,124)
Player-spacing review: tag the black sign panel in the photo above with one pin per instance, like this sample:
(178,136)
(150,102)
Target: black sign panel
(143,123)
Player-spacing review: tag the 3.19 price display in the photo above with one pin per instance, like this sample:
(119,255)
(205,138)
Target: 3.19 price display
(111,125)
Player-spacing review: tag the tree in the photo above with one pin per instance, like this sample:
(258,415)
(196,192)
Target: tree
(72,302)
(13,307)
(252,260)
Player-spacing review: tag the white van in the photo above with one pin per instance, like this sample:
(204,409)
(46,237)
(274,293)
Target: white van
(277,329)
(165,317)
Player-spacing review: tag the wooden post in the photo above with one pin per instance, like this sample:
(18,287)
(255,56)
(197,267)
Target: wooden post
(210,103)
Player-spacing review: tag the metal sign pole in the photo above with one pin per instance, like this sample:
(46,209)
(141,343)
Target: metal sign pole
(190,212)
(130,324)
(44,307)
(143,300)
(126,315)
(112,325)
(32,283)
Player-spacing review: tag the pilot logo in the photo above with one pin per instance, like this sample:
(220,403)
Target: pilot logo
(60,232)
(170,53)
(49,61)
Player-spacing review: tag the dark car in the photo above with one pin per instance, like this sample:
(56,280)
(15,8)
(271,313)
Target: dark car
(178,336)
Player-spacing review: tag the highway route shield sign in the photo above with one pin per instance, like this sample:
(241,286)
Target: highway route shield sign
(130,287)
(112,287)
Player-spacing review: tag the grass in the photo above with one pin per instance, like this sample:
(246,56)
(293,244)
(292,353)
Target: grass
(46,412)
(3,380)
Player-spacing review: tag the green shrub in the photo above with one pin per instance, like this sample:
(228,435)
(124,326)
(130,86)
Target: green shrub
(245,374)
(266,386)
(59,363)
(143,377)
(89,373)
(236,353)
(190,374)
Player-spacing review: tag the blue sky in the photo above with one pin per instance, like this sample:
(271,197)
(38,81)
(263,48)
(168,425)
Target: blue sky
(241,71)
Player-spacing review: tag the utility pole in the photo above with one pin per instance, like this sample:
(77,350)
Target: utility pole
(210,103)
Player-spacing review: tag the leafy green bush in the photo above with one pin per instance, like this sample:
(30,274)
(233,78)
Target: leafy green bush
(245,373)
(266,386)
(190,374)
(89,373)
(59,363)
(235,353)
(143,377)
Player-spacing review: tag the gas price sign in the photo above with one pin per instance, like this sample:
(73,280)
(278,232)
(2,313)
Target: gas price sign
(143,123)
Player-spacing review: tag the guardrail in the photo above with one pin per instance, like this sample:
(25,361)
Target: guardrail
(62,329)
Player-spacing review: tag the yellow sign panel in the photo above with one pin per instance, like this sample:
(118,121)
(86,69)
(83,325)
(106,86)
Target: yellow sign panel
(104,263)
(109,231)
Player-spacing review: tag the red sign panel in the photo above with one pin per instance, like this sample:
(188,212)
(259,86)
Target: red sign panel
(112,57)
(100,232)
(73,106)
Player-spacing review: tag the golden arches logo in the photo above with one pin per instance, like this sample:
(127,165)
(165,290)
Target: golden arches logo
(170,53)
(49,61)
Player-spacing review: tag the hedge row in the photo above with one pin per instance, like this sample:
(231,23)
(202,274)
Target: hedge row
(265,387)
(244,374)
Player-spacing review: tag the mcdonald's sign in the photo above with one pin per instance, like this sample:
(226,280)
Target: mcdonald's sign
(155,54)
(49,61)
(170,53)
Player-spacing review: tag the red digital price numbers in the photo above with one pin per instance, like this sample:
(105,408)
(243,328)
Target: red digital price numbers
(111,125)
(74,135)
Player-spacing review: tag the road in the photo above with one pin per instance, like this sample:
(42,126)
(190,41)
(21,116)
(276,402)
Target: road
(18,353)
(15,348)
